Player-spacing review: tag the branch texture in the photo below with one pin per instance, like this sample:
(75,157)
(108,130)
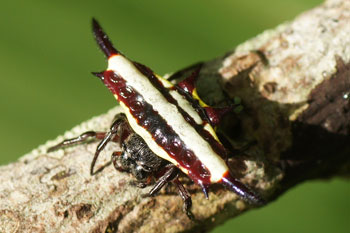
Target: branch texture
(294,83)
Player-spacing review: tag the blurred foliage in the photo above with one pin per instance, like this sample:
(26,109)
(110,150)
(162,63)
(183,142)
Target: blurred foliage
(47,53)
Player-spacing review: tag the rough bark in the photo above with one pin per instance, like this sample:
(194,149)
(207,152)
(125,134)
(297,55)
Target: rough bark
(294,84)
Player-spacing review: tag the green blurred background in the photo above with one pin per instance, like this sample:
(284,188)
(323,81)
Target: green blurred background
(47,53)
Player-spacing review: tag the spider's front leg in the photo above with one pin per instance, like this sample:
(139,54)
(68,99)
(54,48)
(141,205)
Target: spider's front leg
(119,130)
(84,137)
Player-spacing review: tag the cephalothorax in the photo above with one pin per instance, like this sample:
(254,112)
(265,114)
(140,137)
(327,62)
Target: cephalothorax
(165,128)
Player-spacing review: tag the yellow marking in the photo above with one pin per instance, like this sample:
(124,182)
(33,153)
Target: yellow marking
(164,81)
(196,96)
(210,129)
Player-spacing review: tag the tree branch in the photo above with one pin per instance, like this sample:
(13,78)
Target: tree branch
(295,88)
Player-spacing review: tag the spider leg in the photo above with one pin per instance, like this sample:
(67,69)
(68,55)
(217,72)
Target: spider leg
(84,137)
(169,175)
(114,158)
(116,128)
(186,197)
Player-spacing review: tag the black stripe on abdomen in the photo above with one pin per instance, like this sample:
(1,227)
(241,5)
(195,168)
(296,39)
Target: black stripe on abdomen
(157,126)
(216,145)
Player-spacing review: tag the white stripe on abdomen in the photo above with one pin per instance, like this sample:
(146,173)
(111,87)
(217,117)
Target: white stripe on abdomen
(171,115)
